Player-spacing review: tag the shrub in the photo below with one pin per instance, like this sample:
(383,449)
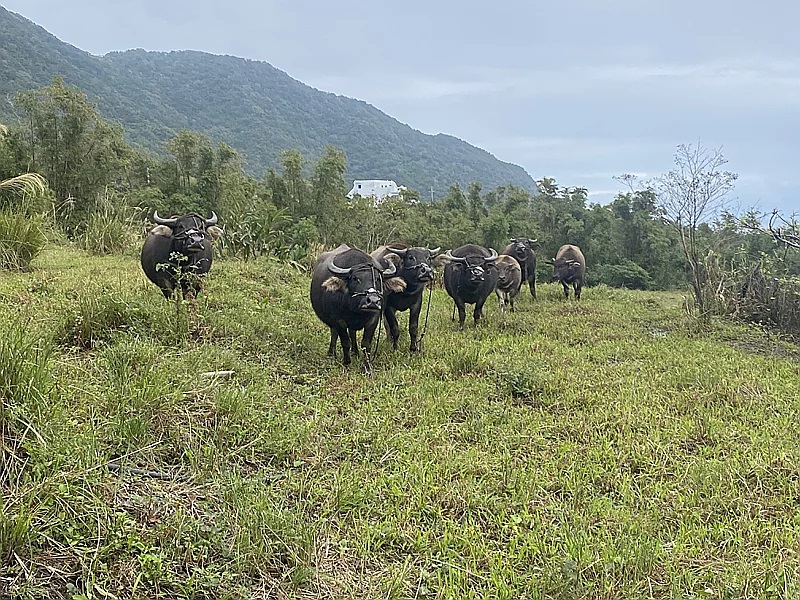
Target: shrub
(21,240)
(626,274)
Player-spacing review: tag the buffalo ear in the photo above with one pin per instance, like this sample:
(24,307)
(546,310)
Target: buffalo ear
(162,230)
(334,284)
(214,232)
(395,284)
(443,259)
(551,261)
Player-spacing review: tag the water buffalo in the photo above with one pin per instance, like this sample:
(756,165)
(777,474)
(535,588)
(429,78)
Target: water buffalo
(178,251)
(524,250)
(569,267)
(416,270)
(347,294)
(509,280)
(470,277)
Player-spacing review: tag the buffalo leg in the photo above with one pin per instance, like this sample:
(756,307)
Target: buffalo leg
(392,327)
(369,333)
(501,300)
(478,312)
(332,345)
(353,343)
(344,338)
(577,285)
(462,313)
(566,289)
(413,324)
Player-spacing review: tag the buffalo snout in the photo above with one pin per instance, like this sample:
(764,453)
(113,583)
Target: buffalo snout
(372,301)
(476,274)
(194,241)
(425,273)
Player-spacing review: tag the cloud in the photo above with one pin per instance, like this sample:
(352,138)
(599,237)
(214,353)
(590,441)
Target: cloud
(754,80)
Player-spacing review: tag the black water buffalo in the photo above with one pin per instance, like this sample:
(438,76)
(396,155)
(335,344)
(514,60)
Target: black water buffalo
(470,277)
(347,294)
(509,280)
(569,267)
(178,251)
(524,250)
(416,270)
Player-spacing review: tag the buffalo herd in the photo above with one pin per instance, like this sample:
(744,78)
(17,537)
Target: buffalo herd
(353,291)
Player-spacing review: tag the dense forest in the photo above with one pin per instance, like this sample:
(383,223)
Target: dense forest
(250,105)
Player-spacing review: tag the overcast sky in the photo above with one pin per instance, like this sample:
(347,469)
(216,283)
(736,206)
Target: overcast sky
(579,90)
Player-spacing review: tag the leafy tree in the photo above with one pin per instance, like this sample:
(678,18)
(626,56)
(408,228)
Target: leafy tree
(71,145)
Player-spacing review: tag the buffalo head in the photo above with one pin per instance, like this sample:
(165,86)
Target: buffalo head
(188,232)
(522,246)
(416,265)
(475,266)
(363,282)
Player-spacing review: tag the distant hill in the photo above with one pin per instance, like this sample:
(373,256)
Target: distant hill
(251,105)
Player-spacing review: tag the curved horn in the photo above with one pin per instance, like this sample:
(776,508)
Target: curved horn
(390,270)
(435,251)
(401,252)
(338,270)
(456,259)
(493,257)
(213,220)
(161,221)
(530,241)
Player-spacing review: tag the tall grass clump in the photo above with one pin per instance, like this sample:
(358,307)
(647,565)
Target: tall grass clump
(24,370)
(22,238)
(109,228)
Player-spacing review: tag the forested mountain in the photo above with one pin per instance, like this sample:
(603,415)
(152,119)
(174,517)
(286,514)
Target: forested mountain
(251,105)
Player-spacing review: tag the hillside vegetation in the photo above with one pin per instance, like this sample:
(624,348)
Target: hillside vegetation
(247,104)
(601,449)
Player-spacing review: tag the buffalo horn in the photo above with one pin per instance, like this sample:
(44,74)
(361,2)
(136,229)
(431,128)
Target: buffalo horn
(390,270)
(338,270)
(456,259)
(213,220)
(435,251)
(401,252)
(160,221)
(493,257)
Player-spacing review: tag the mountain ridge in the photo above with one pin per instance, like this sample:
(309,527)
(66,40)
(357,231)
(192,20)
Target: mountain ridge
(249,104)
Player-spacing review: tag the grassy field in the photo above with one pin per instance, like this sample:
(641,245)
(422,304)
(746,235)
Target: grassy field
(607,449)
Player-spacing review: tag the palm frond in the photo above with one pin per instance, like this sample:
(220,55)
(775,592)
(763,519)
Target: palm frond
(31,184)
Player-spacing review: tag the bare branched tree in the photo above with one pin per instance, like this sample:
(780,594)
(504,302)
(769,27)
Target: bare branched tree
(786,233)
(692,193)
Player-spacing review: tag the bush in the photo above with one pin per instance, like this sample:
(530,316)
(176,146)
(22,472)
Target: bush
(626,274)
(21,240)
(766,299)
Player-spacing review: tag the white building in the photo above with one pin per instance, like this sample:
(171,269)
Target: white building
(379,189)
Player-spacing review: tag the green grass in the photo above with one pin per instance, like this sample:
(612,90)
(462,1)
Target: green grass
(606,449)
